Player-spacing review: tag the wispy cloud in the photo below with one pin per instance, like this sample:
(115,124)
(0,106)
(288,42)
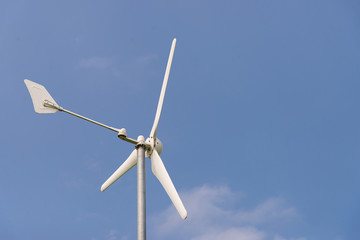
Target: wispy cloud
(146,58)
(214,215)
(133,73)
(113,235)
(95,62)
(102,63)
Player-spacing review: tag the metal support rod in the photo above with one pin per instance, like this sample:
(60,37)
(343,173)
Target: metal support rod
(141,205)
(90,120)
(122,136)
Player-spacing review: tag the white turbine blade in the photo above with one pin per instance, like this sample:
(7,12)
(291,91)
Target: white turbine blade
(162,175)
(38,95)
(163,89)
(126,166)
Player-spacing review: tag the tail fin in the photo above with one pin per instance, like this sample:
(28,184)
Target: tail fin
(38,95)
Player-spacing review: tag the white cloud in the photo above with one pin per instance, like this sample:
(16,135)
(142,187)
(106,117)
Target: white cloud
(270,210)
(246,233)
(277,237)
(214,215)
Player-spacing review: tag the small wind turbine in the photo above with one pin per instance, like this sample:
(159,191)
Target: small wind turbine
(151,148)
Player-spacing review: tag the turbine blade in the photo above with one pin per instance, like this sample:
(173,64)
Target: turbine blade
(162,175)
(163,90)
(38,95)
(126,166)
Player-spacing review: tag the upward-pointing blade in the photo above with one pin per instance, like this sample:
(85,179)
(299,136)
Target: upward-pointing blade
(163,90)
(126,166)
(160,172)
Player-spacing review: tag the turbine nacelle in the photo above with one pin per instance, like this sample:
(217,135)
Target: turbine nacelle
(122,133)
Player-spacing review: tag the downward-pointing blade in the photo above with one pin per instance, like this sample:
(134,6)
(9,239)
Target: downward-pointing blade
(126,166)
(162,175)
(163,90)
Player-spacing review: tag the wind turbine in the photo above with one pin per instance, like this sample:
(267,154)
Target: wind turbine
(151,148)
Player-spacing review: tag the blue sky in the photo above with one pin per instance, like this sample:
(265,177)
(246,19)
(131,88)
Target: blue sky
(260,123)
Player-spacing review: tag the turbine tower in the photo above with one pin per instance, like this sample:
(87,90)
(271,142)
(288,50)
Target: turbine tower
(151,148)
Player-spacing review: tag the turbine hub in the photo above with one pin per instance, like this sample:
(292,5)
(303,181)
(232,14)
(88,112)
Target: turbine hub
(155,144)
(158,146)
